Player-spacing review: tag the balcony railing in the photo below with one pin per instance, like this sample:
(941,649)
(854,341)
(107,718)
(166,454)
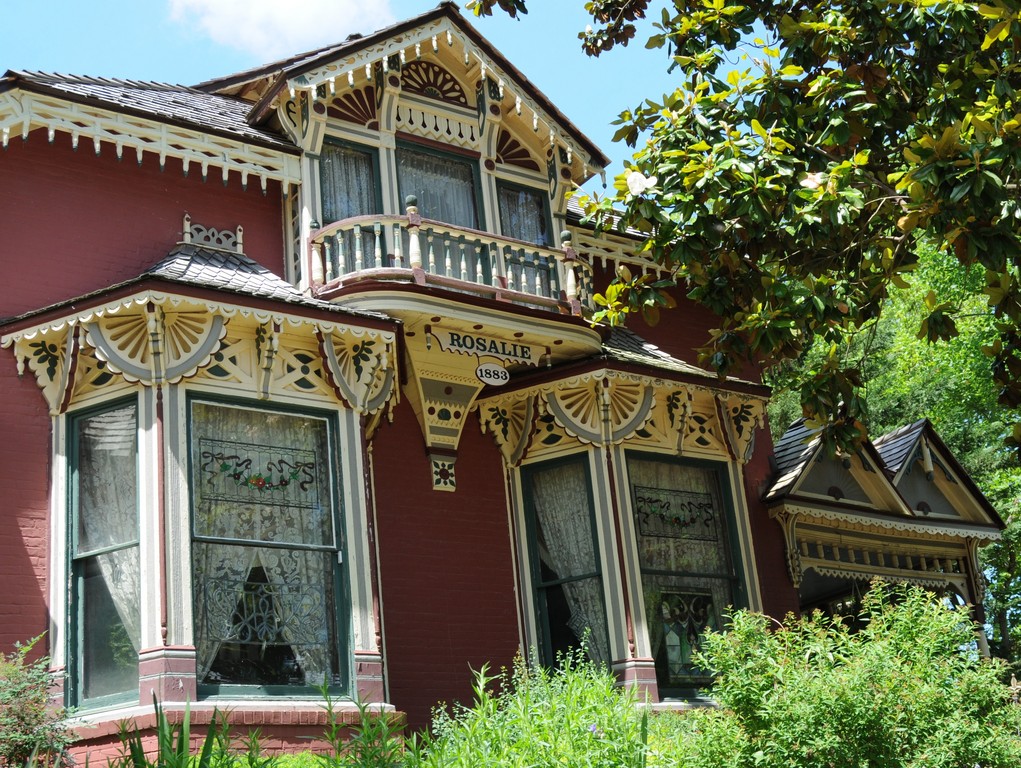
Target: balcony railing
(412,249)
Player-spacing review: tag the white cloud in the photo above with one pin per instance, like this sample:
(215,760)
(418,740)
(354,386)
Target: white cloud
(271,29)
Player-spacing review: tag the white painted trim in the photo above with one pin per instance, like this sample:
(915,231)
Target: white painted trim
(21,112)
(58,544)
(743,531)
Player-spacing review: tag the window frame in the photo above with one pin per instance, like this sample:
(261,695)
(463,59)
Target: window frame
(342,608)
(502,183)
(536,583)
(732,548)
(74,621)
(377,178)
(469,159)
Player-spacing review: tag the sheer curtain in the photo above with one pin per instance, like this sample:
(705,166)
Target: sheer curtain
(523,216)
(348,185)
(563,528)
(444,186)
(106,549)
(263,478)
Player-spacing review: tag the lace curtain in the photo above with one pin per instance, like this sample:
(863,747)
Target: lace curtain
(523,215)
(563,529)
(106,549)
(263,477)
(444,186)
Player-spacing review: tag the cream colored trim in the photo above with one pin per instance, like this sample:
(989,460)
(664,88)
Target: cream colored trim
(22,112)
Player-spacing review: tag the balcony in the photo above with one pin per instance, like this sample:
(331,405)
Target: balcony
(412,249)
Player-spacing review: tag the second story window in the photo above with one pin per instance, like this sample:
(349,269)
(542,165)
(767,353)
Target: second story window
(445,186)
(524,214)
(348,182)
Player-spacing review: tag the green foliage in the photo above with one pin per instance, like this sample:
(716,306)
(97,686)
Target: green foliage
(905,379)
(173,745)
(808,147)
(574,716)
(907,691)
(32,731)
(376,742)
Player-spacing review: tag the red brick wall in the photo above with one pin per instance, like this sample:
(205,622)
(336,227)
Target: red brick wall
(445,559)
(24,519)
(778,594)
(73,222)
(680,330)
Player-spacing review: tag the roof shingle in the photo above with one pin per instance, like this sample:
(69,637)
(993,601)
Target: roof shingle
(211,112)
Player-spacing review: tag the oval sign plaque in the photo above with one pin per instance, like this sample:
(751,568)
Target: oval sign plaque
(492,374)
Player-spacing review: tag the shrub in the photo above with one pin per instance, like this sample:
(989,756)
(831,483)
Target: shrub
(31,729)
(575,716)
(907,691)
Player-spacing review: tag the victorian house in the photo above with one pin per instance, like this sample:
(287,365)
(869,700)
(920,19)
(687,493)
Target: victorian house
(298,389)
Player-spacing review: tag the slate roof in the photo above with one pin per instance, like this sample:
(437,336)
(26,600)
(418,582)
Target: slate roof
(792,452)
(222,115)
(896,447)
(219,270)
(229,271)
(626,346)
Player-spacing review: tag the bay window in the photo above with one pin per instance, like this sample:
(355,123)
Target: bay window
(265,548)
(105,584)
(686,563)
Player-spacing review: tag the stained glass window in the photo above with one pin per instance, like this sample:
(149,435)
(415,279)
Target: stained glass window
(264,556)
(686,569)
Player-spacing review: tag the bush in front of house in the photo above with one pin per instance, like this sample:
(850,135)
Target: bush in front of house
(573,716)
(908,690)
(31,730)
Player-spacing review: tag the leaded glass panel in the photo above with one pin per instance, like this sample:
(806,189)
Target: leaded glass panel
(264,559)
(683,551)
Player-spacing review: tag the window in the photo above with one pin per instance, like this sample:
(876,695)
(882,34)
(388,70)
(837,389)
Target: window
(446,188)
(348,186)
(106,628)
(524,215)
(681,526)
(266,552)
(444,185)
(566,573)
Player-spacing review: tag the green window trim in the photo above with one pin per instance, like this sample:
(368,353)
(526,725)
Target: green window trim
(103,563)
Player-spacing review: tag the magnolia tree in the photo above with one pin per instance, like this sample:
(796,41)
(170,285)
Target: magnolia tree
(789,194)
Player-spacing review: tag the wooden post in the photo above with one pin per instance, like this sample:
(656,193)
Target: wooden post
(414,222)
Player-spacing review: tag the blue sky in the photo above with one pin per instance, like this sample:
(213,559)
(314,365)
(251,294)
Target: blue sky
(187,41)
